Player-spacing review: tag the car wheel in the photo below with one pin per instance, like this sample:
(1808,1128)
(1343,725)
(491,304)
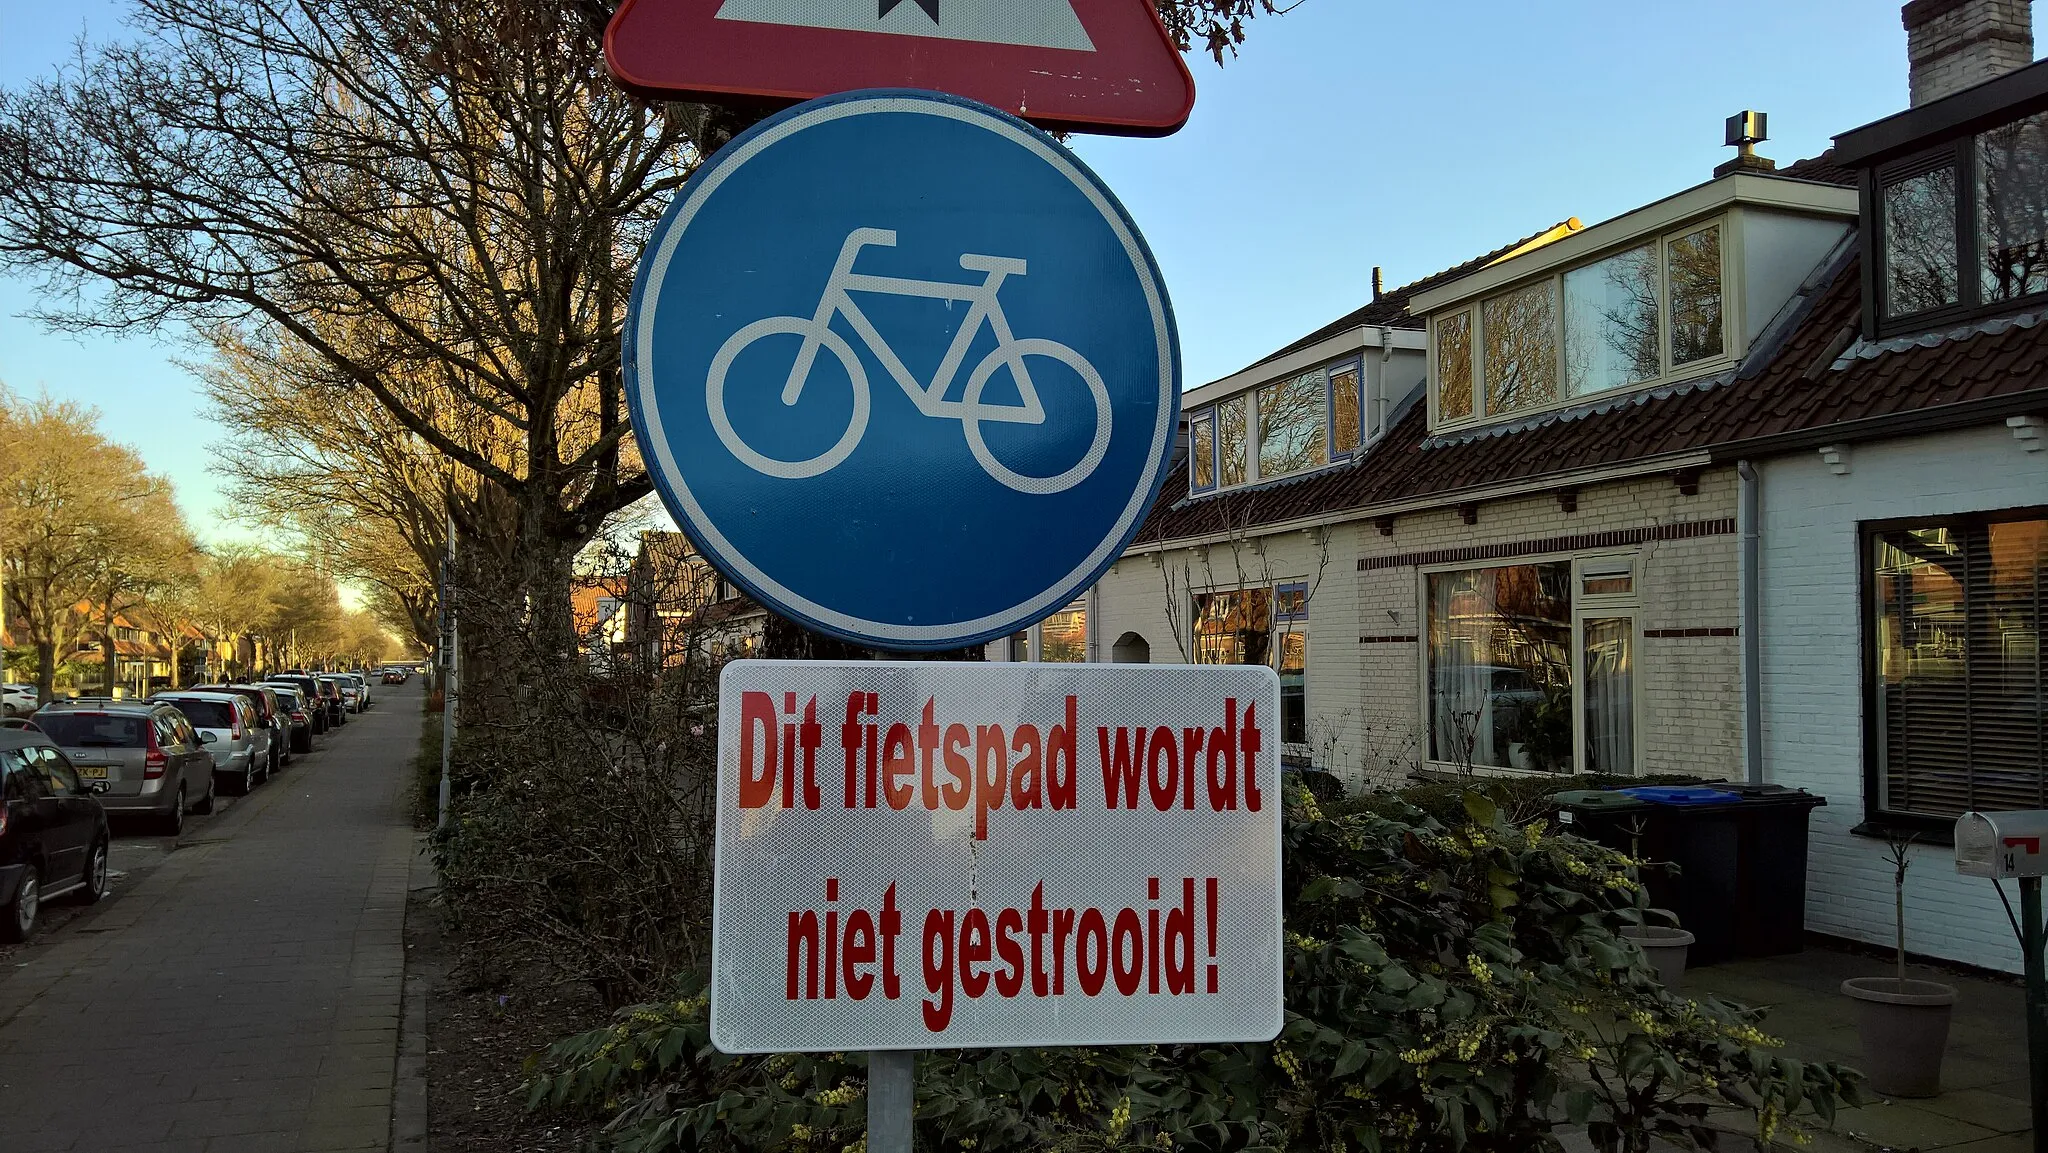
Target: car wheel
(95,875)
(174,821)
(205,804)
(18,919)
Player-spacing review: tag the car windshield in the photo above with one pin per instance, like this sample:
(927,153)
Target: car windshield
(93,730)
(205,714)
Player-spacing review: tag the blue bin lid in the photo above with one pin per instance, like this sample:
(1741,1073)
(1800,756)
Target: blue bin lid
(1680,795)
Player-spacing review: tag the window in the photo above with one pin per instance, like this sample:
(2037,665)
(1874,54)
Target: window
(57,774)
(1346,430)
(1518,330)
(1957,677)
(1261,626)
(1962,226)
(1302,422)
(2012,205)
(1291,425)
(1063,637)
(1499,680)
(1454,366)
(1920,242)
(1234,628)
(1610,322)
(17,781)
(1695,274)
(1202,451)
(1625,320)
(1230,441)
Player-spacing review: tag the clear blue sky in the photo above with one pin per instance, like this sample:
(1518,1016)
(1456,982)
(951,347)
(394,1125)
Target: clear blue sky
(1349,133)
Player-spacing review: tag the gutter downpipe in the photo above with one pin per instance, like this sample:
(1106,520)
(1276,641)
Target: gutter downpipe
(1748,484)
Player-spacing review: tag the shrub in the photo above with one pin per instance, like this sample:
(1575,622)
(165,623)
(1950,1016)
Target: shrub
(1450,986)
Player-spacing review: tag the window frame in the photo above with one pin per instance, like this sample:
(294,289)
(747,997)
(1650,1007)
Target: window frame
(1597,606)
(1205,415)
(1356,367)
(1962,152)
(1211,414)
(1483,413)
(1278,624)
(1877,818)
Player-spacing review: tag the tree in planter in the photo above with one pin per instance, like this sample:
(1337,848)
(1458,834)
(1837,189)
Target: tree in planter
(1449,988)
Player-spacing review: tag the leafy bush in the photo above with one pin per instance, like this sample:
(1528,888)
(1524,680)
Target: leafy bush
(1450,986)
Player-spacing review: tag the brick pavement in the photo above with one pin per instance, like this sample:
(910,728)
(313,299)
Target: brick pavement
(245,996)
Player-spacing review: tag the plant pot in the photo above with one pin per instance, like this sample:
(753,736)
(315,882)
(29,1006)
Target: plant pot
(1665,947)
(1904,1028)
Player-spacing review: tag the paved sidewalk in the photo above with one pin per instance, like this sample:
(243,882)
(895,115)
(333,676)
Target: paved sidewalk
(245,996)
(1983,1104)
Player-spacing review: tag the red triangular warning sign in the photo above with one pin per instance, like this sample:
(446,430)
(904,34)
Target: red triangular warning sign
(1080,65)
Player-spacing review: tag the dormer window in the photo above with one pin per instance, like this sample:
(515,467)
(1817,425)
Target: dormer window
(1295,424)
(1929,219)
(1630,318)
(1955,206)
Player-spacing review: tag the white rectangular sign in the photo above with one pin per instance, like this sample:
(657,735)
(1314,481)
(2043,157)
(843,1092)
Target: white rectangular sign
(924,855)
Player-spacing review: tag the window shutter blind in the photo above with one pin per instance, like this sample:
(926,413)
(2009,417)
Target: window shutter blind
(1960,687)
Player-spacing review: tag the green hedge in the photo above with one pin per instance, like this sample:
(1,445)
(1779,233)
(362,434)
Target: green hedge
(1451,985)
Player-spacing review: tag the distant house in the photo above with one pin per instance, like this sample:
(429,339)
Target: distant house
(677,605)
(596,609)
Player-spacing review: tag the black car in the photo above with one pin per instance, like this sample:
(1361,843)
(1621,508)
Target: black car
(317,708)
(53,832)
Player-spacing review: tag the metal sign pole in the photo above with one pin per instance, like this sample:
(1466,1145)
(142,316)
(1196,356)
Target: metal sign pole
(2033,942)
(892,1097)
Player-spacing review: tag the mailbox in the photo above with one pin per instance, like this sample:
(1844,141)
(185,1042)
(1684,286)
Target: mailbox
(2013,844)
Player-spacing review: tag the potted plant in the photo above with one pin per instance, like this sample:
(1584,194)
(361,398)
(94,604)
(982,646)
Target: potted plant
(1664,946)
(1903,1023)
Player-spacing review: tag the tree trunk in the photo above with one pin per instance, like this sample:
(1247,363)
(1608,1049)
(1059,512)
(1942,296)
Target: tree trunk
(107,647)
(46,670)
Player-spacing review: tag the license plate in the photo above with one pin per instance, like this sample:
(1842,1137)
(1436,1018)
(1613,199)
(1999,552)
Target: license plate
(92,772)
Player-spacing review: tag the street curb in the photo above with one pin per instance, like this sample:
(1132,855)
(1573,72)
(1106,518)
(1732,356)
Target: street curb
(409,1086)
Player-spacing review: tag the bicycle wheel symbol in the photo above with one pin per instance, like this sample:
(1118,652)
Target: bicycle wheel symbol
(1012,356)
(714,395)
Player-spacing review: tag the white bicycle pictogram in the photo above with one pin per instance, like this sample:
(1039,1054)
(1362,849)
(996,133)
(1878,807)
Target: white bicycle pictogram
(930,399)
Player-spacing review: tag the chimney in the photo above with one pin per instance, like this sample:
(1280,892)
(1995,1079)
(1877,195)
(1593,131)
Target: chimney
(1956,44)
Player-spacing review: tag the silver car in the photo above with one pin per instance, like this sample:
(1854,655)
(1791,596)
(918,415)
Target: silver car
(230,730)
(148,754)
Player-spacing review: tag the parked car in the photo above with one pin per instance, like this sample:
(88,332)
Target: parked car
(299,717)
(330,697)
(19,723)
(309,697)
(268,714)
(53,832)
(361,684)
(18,700)
(337,703)
(351,692)
(227,727)
(148,754)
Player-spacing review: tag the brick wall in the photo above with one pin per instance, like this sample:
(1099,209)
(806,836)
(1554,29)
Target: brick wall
(1365,615)
(1956,44)
(1812,679)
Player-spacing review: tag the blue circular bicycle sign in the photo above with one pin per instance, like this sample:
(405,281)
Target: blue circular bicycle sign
(903,368)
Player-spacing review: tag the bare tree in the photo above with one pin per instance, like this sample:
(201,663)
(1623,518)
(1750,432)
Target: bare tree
(440,201)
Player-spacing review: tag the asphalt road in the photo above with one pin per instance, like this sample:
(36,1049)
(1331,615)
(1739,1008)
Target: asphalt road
(240,990)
